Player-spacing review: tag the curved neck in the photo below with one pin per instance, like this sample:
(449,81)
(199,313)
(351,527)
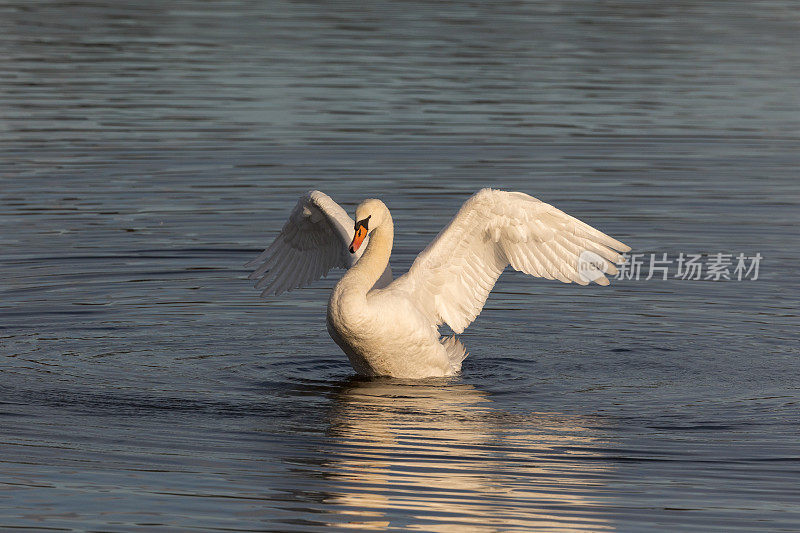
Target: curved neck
(369,268)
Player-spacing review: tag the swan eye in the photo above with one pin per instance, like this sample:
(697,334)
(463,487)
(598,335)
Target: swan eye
(362,223)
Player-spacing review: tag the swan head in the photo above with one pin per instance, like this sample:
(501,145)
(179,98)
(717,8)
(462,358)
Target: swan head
(369,215)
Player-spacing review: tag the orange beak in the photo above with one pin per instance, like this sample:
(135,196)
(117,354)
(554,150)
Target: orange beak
(358,238)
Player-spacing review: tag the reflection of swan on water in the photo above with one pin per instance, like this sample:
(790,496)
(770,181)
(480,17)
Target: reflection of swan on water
(436,455)
(390,328)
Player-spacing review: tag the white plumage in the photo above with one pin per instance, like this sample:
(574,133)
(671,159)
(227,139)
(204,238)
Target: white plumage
(391,327)
(312,242)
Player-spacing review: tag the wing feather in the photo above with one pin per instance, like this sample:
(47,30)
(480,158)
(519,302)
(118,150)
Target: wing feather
(452,278)
(313,241)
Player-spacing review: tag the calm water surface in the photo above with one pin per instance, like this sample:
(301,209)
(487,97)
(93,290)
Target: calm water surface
(148,151)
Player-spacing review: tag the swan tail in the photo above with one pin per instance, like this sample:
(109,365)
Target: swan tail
(455,352)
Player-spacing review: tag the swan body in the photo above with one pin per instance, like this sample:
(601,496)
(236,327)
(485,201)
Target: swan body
(390,327)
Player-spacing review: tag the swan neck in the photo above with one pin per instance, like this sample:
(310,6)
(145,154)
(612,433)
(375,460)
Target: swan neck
(376,256)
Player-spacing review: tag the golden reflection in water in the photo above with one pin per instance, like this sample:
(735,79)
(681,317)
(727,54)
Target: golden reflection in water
(436,456)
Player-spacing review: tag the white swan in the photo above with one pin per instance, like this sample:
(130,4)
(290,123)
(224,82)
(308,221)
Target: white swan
(390,328)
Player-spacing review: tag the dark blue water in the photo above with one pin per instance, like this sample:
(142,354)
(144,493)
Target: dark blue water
(148,150)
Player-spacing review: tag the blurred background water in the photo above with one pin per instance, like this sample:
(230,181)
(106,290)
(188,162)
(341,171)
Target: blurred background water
(149,149)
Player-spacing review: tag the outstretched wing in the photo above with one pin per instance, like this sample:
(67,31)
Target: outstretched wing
(313,241)
(453,276)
